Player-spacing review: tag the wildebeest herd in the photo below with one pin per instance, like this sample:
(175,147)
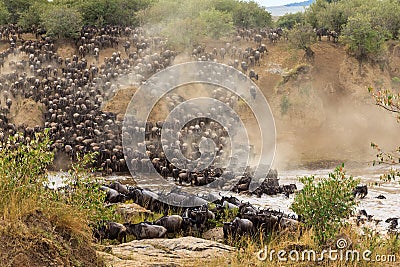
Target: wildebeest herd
(73,90)
(248,219)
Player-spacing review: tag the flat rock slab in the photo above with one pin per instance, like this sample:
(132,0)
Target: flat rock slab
(184,251)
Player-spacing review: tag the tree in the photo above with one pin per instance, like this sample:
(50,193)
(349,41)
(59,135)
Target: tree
(30,18)
(312,13)
(289,20)
(324,203)
(61,21)
(302,37)
(334,16)
(4,14)
(216,23)
(187,22)
(362,38)
(112,12)
(17,7)
(387,15)
(251,15)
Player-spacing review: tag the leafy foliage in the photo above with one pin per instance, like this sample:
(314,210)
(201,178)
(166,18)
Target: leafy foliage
(362,38)
(290,20)
(23,172)
(250,15)
(390,101)
(189,22)
(302,37)
(24,185)
(216,23)
(4,14)
(84,192)
(17,7)
(62,21)
(324,203)
(112,12)
(31,18)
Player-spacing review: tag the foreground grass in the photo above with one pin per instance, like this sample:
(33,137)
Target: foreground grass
(248,252)
(39,226)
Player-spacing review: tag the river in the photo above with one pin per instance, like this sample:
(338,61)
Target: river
(277,11)
(380,208)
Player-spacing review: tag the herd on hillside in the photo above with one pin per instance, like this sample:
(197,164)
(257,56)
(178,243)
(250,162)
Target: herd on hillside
(74,89)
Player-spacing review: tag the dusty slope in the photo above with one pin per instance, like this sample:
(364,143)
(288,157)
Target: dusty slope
(324,115)
(330,116)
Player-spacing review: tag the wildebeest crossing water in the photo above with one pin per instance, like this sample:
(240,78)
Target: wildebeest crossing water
(381,201)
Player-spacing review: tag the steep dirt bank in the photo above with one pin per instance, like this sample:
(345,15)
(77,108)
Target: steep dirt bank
(324,114)
(36,241)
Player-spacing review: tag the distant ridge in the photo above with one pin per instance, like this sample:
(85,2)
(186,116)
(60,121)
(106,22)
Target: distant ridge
(304,3)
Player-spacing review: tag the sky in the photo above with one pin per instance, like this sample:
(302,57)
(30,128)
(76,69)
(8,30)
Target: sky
(276,2)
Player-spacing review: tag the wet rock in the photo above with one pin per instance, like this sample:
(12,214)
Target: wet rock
(184,251)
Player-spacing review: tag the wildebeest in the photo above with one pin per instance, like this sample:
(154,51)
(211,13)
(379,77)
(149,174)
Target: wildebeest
(122,189)
(238,227)
(253,74)
(394,222)
(145,230)
(196,218)
(112,195)
(112,231)
(361,191)
(172,223)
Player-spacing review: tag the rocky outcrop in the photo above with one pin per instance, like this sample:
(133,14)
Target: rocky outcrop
(184,251)
(130,210)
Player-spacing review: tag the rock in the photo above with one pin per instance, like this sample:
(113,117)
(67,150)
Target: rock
(215,234)
(184,251)
(128,211)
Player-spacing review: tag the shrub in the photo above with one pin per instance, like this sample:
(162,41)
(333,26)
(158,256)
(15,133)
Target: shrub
(324,203)
(22,174)
(4,14)
(289,20)
(62,21)
(84,192)
(363,39)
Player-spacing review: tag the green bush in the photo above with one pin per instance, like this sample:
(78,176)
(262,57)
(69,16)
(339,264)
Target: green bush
(324,203)
(363,39)
(23,174)
(289,20)
(4,14)
(62,21)
(23,180)
(84,192)
(302,36)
